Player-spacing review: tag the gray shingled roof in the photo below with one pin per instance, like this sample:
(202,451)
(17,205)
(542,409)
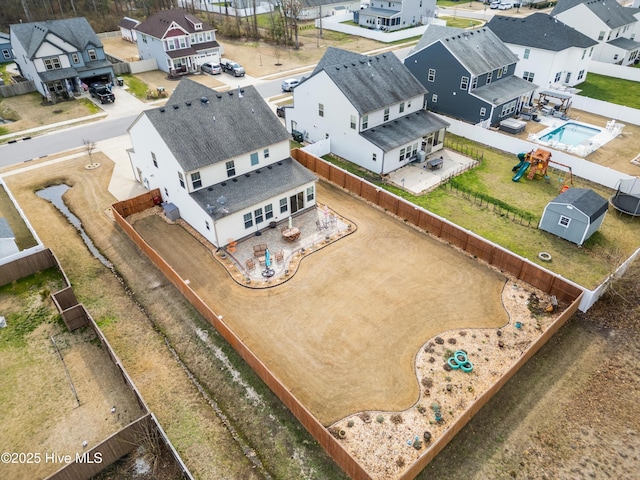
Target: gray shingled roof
(551,34)
(404,130)
(128,23)
(479,51)
(158,23)
(231,124)
(585,200)
(369,83)
(504,90)
(609,11)
(253,188)
(75,31)
(624,43)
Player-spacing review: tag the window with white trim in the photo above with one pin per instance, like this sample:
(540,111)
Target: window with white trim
(265,153)
(268,211)
(196,181)
(401,154)
(52,63)
(248,220)
(254,159)
(601,35)
(93,56)
(434,98)
(528,76)
(154,159)
(474,82)
(580,74)
(489,77)
(231,168)
(483,111)
(181,179)
(431,77)
(352,122)
(564,221)
(374,157)
(557,77)
(283,205)
(321,110)
(386,115)
(527,52)
(508,108)
(464,83)
(310,194)
(75,58)
(401,109)
(365,122)
(257,213)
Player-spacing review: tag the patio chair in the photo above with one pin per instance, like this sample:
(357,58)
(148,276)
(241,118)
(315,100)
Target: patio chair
(251,264)
(280,256)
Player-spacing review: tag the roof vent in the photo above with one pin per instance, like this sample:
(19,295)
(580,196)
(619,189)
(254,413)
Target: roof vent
(204,100)
(242,90)
(188,104)
(269,167)
(175,107)
(234,180)
(210,189)
(257,171)
(279,163)
(247,175)
(224,184)
(162,110)
(218,95)
(230,93)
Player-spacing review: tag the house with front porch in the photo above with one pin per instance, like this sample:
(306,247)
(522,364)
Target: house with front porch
(222,160)
(371,109)
(179,41)
(395,14)
(611,25)
(556,56)
(470,74)
(60,55)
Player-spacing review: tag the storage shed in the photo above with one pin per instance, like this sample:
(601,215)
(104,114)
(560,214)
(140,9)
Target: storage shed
(574,215)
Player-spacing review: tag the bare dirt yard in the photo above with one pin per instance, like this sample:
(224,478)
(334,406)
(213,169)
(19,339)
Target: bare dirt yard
(568,414)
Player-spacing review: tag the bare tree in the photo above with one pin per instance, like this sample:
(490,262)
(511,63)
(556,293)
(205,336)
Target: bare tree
(89,147)
(292,11)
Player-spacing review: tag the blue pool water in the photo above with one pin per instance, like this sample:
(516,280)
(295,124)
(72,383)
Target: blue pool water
(572,134)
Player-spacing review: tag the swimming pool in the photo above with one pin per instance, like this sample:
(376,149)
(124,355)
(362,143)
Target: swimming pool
(572,134)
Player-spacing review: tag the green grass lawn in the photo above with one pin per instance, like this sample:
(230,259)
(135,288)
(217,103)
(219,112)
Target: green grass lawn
(136,86)
(610,89)
(460,22)
(587,265)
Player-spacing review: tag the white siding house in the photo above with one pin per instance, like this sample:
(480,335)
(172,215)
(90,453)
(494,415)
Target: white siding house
(607,22)
(222,159)
(556,55)
(371,109)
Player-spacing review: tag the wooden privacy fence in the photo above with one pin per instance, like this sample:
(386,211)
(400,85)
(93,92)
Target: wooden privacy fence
(313,426)
(474,245)
(16,89)
(25,266)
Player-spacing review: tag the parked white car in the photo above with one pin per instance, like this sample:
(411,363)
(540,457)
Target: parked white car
(505,6)
(289,84)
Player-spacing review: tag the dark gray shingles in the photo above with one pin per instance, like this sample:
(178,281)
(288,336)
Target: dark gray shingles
(433,34)
(370,83)
(75,31)
(504,90)
(624,43)
(245,191)
(404,130)
(608,11)
(550,33)
(585,200)
(231,124)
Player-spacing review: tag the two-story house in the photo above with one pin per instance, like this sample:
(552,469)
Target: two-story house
(60,55)
(395,14)
(556,55)
(178,41)
(470,74)
(607,22)
(6,54)
(223,159)
(370,108)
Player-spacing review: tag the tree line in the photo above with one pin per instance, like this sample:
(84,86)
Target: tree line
(104,15)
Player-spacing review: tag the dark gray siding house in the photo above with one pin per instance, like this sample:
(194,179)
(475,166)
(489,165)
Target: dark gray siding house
(574,215)
(469,74)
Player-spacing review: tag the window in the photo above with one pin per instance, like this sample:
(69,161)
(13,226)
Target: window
(557,78)
(580,74)
(401,109)
(75,58)
(258,214)
(144,38)
(505,70)
(386,114)
(499,73)
(268,211)
(365,122)
(310,194)
(601,35)
(584,53)
(374,157)
(196,182)
(283,205)
(564,221)
(464,83)
(414,149)
(508,108)
(591,51)
(92,54)
(206,224)
(254,158)
(434,98)
(265,153)
(52,63)
(181,179)
(231,168)
(489,77)
(352,122)
(401,154)
(321,109)
(483,111)
(568,77)
(409,104)
(431,77)
(527,52)
(248,220)
(170,44)
(6,53)
(474,82)
(528,76)
(154,159)
(615,57)
(183,42)
(166,192)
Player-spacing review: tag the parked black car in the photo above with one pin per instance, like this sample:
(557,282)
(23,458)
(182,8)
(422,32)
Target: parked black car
(102,93)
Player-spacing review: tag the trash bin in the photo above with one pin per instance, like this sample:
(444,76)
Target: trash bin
(120,81)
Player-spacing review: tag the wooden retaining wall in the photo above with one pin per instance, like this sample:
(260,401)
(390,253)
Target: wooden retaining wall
(478,247)
(313,426)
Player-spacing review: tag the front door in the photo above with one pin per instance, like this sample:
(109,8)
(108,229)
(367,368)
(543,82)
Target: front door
(297,202)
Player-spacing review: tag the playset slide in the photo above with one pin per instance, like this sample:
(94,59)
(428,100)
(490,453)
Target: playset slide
(524,166)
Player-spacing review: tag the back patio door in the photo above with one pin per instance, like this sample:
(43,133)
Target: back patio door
(297,202)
